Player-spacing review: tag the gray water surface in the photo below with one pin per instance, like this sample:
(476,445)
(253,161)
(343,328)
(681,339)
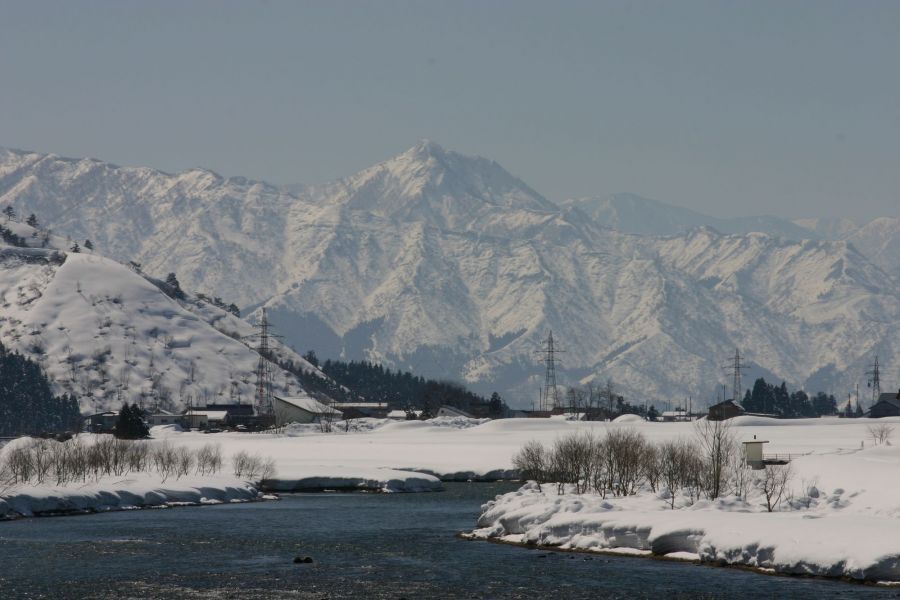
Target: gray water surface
(364,546)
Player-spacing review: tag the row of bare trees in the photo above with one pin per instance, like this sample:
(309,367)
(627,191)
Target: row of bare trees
(623,462)
(39,461)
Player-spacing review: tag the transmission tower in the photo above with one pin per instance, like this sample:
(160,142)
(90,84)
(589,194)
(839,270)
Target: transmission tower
(874,381)
(736,367)
(550,395)
(263,366)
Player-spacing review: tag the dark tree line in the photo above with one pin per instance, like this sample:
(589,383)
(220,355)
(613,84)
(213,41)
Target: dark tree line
(773,399)
(357,381)
(27,404)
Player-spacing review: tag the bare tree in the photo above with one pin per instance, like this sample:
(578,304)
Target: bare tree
(531,462)
(774,482)
(716,446)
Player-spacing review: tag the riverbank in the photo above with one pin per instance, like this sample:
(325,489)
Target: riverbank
(132,492)
(822,539)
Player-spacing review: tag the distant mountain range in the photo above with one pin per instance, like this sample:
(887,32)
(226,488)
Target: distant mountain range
(448,265)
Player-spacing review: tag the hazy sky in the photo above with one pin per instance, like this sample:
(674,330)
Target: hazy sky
(784,107)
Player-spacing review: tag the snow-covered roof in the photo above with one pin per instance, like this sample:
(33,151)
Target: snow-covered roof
(308,404)
(359,404)
(212,415)
(674,413)
(401,414)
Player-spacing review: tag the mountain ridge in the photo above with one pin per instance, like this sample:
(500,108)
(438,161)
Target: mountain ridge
(452,267)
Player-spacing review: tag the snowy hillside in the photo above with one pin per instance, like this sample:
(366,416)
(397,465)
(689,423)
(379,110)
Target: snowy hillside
(452,267)
(110,335)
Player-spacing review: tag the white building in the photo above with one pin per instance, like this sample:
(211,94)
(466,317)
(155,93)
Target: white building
(303,409)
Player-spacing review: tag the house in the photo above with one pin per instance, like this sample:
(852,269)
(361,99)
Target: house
(452,411)
(303,409)
(236,414)
(401,415)
(104,422)
(163,417)
(358,410)
(679,414)
(727,409)
(888,405)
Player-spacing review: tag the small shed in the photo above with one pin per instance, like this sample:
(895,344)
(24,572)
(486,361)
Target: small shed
(753,453)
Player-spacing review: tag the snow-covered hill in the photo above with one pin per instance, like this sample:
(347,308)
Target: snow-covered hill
(109,334)
(451,266)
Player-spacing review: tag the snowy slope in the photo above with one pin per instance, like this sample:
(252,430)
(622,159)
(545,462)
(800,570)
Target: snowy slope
(879,239)
(451,266)
(108,334)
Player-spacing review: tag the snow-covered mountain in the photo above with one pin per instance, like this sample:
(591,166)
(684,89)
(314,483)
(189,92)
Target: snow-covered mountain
(631,213)
(451,266)
(109,334)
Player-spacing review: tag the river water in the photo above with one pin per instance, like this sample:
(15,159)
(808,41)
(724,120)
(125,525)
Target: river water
(364,546)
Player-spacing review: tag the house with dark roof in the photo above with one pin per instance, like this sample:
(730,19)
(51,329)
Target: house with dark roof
(725,410)
(888,405)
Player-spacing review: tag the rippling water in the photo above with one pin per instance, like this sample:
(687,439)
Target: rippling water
(364,546)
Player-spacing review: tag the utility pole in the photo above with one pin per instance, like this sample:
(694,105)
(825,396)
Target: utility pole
(548,351)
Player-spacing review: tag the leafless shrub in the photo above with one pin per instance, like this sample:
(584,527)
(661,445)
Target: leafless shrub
(209,459)
(570,461)
(678,466)
(252,466)
(880,433)
(627,452)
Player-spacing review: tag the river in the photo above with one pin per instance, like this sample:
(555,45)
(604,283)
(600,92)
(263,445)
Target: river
(363,546)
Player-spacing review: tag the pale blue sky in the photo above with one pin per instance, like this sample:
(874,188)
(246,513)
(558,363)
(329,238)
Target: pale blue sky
(783,107)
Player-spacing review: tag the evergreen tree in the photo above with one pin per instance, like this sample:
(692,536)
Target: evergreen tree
(652,413)
(75,248)
(88,244)
(173,287)
(10,213)
(27,404)
(496,405)
(130,424)
(32,221)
